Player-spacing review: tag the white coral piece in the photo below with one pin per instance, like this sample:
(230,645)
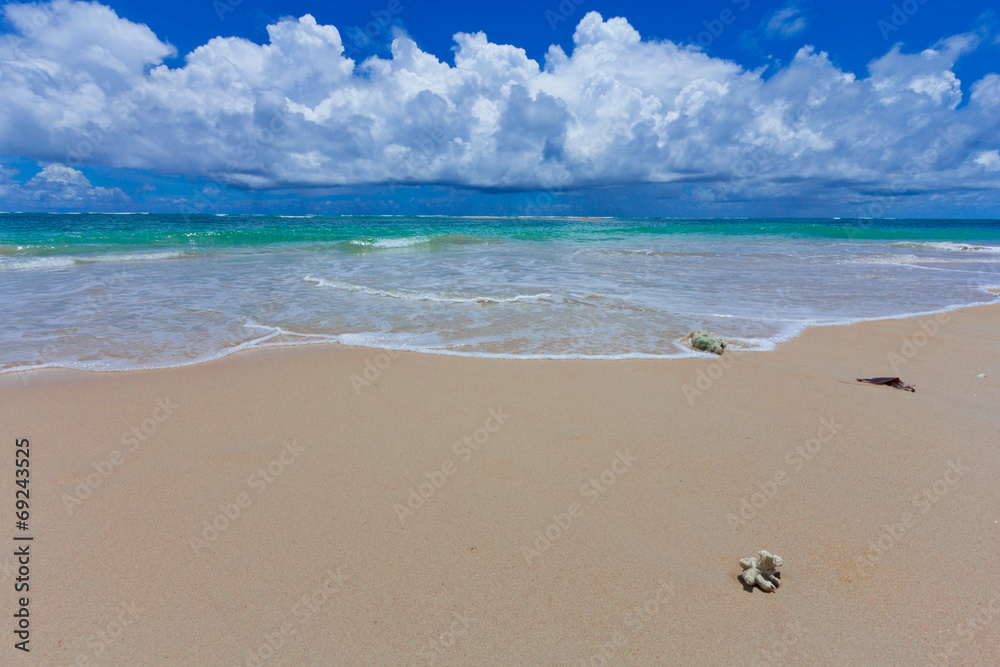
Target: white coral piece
(761,571)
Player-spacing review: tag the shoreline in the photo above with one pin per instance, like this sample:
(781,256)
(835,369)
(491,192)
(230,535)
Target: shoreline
(266,507)
(681,355)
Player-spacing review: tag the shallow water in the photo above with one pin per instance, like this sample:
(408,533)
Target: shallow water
(137,291)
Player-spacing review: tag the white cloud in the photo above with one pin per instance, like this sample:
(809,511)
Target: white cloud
(787,21)
(990,160)
(57,181)
(91,87)
(57,186)
(986,91)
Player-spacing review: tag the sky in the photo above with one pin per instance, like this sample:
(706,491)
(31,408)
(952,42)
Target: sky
(571,107)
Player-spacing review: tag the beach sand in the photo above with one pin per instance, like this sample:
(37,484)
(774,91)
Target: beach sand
(886,513)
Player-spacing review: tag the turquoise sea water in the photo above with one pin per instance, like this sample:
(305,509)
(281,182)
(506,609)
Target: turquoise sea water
(137,291)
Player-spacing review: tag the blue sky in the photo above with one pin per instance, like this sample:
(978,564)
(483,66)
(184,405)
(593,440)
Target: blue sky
(849,30)
(732,107)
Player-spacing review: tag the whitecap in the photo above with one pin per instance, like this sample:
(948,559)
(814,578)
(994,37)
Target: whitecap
(405,242)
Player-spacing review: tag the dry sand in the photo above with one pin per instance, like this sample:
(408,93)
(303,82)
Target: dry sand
(889,552)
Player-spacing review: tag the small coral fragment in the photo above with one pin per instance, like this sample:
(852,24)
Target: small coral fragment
(706,341)
(762,571)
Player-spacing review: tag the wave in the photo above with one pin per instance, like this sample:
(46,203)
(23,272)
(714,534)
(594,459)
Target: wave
(952,247)
(18,264)
(421,242)
(405,242)
(604,303)
(983,256)
(641,252)
(263,341)
(425,296)
(886,258)
(8,263)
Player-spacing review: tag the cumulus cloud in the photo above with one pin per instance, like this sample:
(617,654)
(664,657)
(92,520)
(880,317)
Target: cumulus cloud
(89,87)
(59,182)
(57,186)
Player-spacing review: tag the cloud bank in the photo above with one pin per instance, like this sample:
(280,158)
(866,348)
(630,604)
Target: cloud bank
(80,85)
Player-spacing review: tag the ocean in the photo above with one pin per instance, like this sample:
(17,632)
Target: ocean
(132,291)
